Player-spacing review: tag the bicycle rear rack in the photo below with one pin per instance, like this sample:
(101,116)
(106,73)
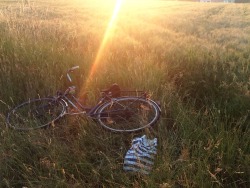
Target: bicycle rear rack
(135,93)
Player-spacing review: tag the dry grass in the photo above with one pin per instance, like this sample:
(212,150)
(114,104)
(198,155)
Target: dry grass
(193,57)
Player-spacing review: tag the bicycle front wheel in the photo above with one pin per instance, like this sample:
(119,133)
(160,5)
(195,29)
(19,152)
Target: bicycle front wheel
(128,114)
(35,113)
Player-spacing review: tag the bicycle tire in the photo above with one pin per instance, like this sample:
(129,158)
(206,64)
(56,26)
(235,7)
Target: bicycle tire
(128,114)
(35,113)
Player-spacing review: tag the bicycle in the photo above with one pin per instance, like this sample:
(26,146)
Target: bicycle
(113,111)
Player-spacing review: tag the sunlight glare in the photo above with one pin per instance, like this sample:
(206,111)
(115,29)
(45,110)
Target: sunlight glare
(107,35)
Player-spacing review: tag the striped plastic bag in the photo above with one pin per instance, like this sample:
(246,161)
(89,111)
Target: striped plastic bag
(140,157)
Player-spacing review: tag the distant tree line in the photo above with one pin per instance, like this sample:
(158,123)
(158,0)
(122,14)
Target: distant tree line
(236,1)
(242,1)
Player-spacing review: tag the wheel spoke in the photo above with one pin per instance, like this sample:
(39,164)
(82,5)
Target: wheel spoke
(128,114)
(35,113)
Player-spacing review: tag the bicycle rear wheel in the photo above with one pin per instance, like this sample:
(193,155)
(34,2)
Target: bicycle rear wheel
(128,114)
(35,113)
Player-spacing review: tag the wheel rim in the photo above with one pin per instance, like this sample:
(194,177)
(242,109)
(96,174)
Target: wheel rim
(128,114)
(35,114)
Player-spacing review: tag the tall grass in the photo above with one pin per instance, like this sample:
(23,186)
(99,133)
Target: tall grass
(194,58)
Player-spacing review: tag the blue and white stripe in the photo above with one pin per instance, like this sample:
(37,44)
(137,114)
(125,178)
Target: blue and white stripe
(140,157)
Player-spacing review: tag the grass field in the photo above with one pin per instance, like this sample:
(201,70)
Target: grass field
(193,57)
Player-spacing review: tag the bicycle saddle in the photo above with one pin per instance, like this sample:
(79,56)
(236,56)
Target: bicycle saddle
(114,90)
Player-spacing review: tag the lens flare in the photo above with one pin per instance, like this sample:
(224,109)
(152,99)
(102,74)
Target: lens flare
(107,35)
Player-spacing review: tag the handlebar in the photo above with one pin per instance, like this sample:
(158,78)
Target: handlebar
(71,70)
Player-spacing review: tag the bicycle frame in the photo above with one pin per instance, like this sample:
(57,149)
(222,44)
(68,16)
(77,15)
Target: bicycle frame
(69,99)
